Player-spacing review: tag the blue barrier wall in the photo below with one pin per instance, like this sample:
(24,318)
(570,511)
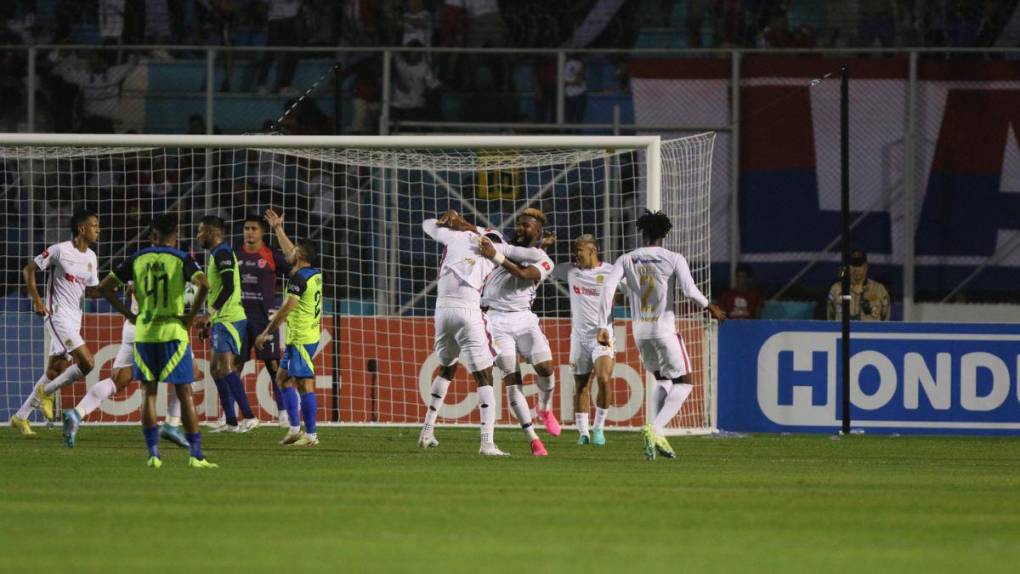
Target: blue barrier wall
(785,376)
(21,361)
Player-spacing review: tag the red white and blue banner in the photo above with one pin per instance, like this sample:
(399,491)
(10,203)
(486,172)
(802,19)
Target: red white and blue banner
(967,160)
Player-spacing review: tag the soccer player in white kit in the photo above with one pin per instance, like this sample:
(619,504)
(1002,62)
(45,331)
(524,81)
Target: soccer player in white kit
(73,275)
(506,299)
(460,325)
(589,360)
(650,273)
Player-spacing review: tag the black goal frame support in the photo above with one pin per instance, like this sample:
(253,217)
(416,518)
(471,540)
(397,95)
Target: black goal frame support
(844,152)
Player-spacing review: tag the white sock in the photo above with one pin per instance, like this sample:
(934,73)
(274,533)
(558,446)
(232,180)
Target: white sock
(581,422)
(312,434)
(32,400)
(659,394)
(173,407)
(600,418)
(295,428)
(674,400)
(99,392)
(70,375)
(519,405)
(545,392)
(438,393)
(487,412)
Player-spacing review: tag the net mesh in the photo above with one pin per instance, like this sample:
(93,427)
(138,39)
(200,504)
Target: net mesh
(363,209)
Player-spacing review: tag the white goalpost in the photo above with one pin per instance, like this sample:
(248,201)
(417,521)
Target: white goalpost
(361,200)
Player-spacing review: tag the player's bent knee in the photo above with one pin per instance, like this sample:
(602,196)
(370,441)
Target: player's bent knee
(507,363)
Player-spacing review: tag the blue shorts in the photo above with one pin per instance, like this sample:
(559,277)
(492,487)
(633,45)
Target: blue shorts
(164,362)
(226,337)
(297,360)
(271,351)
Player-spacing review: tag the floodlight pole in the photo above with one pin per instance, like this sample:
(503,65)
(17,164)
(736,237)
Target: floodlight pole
(844,149)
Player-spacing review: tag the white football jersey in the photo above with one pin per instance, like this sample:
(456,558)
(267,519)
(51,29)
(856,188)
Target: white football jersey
(506,293)
(70,272)
(650,273)
(464,268)
(585,286)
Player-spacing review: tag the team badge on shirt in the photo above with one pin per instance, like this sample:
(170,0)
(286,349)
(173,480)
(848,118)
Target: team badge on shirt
(600,279)
(262,263)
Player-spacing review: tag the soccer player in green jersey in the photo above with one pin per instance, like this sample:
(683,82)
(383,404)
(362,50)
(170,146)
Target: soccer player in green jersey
(226,315)
(302,310)
(162,345)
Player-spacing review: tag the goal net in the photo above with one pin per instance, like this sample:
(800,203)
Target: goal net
(361,201)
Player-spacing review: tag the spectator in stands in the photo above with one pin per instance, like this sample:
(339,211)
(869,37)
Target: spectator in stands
(196,124)
(304,117)
(221,18)
(779,35)
(100,88)
(157,27)
(417,24)
(477,24)
(575,91)
(877,23)
(367,92)
(111,21)
(743,300)
(283,29)
(869,299)
(412,81)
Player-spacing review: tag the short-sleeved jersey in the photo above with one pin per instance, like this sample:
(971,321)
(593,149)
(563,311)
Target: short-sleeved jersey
(71,271)
(650,273)
(506,293)
(159,275)
(304,323)
(259,270)
(585,286)
(223,261)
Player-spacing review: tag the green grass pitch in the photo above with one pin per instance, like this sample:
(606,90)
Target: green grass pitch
(367,500)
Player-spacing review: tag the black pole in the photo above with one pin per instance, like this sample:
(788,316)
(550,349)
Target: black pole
(335,387)
(844,132)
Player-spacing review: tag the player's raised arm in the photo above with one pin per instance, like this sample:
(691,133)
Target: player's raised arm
(529,273)
(275,221)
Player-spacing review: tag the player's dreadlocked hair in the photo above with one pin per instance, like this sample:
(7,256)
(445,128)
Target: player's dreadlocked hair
(654,226)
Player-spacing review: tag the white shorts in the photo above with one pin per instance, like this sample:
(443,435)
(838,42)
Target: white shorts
(583,354)
(126,352)
(462,331)
(65,336)
(666,354)
(519,334)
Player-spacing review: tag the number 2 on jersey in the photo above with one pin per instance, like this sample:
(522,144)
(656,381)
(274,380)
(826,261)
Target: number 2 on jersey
(647,288)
